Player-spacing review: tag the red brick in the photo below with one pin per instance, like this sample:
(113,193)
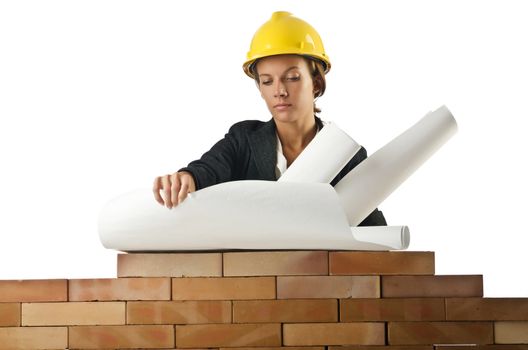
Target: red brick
(279,348)
(34,338)
(408,333)
(223,288)
(482,347)
(328,287)
(169,265)
(229,335)
(364,333)
(276,263)
(178,312)
(105,337)
(73,313)
(9,314)
(381,263)
(33,290)
(415,309)
(431,286)
(383,347)
(324,310)
(482,309)
(108,289)
(511,332)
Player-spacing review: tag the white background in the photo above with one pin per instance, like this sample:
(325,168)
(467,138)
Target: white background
(99,97)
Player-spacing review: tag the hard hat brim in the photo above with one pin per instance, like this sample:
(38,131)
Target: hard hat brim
(249,65)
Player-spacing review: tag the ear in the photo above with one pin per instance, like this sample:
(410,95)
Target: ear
(317,85)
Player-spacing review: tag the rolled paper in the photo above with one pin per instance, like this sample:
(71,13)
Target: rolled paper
(374,179)
(323,158)
(240,215)
(397,237)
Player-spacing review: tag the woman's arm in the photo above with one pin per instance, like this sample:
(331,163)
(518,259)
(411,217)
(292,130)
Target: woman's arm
(216,165)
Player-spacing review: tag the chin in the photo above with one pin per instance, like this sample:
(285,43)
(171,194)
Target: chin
(284,117)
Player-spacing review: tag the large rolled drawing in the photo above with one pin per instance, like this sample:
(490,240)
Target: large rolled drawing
(300,212)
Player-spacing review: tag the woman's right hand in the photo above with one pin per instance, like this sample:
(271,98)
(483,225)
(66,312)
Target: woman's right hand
(175,188)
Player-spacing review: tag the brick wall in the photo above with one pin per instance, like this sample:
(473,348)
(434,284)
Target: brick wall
(297,300)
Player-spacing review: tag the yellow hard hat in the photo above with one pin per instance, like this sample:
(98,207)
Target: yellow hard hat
(285,34)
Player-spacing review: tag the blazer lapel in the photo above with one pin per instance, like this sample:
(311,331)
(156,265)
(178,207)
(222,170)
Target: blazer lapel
(263,145)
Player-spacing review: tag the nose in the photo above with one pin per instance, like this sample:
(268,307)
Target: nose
(280,90)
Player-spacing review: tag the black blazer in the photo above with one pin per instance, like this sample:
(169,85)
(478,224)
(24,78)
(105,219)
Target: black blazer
(249,152)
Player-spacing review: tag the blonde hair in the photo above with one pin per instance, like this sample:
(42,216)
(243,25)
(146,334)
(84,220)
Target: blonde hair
(316,69)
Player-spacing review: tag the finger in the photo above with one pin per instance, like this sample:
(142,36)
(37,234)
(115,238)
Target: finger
(165,182)
(175,188)
(188,178)
(192,185)
(183,192)
(156,189)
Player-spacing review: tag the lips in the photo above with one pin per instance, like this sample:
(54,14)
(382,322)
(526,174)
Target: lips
(282,106)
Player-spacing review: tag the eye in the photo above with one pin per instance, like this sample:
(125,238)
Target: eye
(293,78)
(266,82)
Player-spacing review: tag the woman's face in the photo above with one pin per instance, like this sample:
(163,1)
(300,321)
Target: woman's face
(287,87)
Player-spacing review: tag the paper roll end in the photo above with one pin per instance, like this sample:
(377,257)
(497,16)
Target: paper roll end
(443,110)
(405,237)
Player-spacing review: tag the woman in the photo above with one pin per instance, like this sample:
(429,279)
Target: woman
(288,63)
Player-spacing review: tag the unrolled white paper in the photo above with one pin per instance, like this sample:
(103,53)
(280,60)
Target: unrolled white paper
(374,179)
(323,158)
(241,215)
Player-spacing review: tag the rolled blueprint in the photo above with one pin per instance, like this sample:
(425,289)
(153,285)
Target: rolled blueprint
(374,179)
(323,158)
(241,215)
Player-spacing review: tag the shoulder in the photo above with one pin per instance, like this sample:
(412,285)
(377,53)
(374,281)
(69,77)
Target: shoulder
(248,125)
(253,129)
